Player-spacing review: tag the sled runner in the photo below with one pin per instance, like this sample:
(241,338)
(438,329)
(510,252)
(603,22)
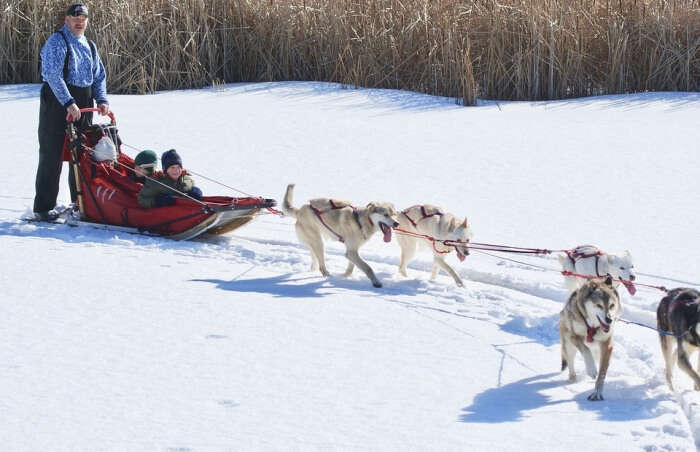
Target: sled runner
(107,194)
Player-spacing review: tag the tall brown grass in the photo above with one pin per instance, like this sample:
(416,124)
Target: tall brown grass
(500,49)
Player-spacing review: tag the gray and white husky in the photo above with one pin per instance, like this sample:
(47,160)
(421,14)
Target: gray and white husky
(334,219)
(586,325)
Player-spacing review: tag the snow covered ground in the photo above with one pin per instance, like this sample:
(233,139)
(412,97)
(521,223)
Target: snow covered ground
(112,341)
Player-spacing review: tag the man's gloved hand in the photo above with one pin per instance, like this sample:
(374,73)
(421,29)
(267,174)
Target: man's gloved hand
(196,193)
(165,200)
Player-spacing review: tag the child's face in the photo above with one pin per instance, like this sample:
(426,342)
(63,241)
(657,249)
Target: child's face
(174,171)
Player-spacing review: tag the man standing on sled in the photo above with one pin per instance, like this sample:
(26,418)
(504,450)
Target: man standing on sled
(74,78)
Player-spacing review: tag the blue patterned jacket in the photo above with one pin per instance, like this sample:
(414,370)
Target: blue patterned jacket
(82,71)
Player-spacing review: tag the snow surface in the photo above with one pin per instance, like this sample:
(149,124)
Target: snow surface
(113,341)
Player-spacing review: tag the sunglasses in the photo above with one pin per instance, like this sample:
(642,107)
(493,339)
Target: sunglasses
(148,167)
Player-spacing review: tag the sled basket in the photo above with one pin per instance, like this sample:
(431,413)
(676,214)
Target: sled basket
(107,194)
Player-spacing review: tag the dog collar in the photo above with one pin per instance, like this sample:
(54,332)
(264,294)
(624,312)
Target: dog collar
(357,218)
(590,331)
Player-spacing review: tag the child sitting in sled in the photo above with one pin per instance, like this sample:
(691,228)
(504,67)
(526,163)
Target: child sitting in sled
(144,165)
(163,188)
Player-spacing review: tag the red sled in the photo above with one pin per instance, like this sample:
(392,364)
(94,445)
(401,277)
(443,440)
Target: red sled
(107,194)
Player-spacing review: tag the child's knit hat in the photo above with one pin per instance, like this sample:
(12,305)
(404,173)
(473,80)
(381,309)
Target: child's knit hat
(146,157)
(170,158)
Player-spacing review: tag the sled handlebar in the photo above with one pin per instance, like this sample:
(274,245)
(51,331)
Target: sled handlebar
(92,109)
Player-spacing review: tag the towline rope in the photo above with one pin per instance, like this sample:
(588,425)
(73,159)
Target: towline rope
(482,247)
(666,333)
(577,275)
(427,237)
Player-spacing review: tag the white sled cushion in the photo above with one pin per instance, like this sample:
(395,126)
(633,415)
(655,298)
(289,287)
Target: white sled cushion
(105,150)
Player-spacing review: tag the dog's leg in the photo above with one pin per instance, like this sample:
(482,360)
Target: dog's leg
(314,262)
(684,363)
(669,358)
(349,269)
(439,260)
(436,270)
(697,388)
(571,283)
(568,349)
(684,351)
(587,357)
(606,349)
(313,239)
(318,249)
(408,250)
(354,257)
(568,354)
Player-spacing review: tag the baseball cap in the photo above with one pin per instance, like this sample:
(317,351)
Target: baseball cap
(77,9)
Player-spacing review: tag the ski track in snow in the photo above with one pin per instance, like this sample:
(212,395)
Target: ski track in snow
(519,298)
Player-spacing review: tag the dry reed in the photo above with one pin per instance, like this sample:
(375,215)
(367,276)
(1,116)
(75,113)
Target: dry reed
(506,49)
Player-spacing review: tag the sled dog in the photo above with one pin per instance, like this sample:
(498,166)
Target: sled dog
(679,314)
(338,220)
(586,325)
(590,261)
(431,221)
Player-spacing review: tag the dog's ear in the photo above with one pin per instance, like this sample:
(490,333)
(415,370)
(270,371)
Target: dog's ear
(371,206)
(465,224)
(452,224)
(608,280)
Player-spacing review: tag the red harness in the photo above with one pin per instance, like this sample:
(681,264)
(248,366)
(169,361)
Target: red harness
(334,206)
(577,253)
(425,215)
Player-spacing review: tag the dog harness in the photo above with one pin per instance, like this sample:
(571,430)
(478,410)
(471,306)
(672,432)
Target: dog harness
(319,213)
(431,239)
(684,298)
(577,253)
(425,215)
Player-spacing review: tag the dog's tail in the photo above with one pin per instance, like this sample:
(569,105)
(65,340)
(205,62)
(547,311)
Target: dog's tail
(287,207)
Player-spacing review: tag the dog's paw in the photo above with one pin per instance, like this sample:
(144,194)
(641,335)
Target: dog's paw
(592,371)
(377,284)
(596,396)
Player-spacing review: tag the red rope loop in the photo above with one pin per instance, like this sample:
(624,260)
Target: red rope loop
(578,275)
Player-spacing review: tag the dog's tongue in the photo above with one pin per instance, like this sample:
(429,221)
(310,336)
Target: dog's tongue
(630,287)
(387,232)
(460,256)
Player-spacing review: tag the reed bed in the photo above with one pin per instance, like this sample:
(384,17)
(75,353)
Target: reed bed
(505,49)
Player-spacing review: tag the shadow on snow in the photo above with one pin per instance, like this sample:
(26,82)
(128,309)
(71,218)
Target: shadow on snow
(508,403)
